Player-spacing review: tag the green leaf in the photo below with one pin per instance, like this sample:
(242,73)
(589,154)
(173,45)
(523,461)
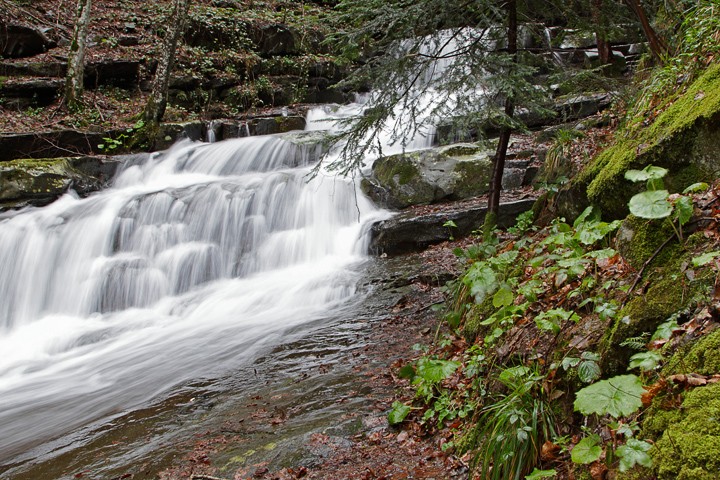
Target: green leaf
(683,209)
(651,204)
(450,224)
(697,187)
(665,330)
(583,216)
(570,362)
(435,371)
(705,258)
(481,279)
(645,361)
(408,372)
(503,297)
(650,172)
(398,413)
(590,356)
(634,452)
(538,474)
(588,371)
(618,397)
(587,450)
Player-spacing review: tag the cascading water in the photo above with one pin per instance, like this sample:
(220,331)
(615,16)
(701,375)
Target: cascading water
(192,263)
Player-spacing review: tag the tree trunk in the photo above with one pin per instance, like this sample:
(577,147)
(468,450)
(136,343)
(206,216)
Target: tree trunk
(504,141)
(658,46)
(157,102)
(76,57)
(603,46)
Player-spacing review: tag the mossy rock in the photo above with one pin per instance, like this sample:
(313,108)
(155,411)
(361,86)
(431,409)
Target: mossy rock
(639,239)
(689,446)
(685,139)
(669,292)
(429,176)
(701,356)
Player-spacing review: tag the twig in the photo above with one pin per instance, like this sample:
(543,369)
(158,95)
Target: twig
(647,262)
(206,477)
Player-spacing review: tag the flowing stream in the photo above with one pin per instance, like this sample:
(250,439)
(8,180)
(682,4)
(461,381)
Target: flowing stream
(195,262)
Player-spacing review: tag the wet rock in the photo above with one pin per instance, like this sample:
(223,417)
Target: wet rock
(18,41)
(409,231)
(429,176)
(117,73)
(38,182)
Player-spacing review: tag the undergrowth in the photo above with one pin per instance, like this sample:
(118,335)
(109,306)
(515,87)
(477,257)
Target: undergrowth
(518,389)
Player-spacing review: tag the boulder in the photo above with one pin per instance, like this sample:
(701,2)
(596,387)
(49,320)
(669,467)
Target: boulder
(38,182)
(429,176)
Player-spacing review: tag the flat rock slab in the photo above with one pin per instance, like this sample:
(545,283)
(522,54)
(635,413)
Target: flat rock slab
(409,231)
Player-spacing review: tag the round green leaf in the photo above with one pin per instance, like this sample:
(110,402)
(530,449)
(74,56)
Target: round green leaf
(652,204)
(587,450)
(650,172)
(618,396)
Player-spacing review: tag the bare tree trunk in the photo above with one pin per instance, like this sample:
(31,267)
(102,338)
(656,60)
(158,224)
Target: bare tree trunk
(658,46)
(603,46)
(157,103)
(504,140)
(76,57)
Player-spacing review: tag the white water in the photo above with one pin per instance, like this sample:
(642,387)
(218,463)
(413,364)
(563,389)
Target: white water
(189,265)
(194,262)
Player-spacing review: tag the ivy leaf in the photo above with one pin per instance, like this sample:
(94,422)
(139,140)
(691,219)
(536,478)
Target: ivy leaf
(435,371)
(587,450)
(398,413)
(705,258)
(588,371)
(618,396)
(645,361)
(634,452)
(651,204)
(683,209)
(650,172)
(539,474)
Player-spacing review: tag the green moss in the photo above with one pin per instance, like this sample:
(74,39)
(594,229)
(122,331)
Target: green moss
(477,314)
(474,178)
(689,446)
(399,170)
(639,239)
(702,356)
(667,295)
(683,139)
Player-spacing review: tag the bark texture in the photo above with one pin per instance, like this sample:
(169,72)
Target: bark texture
(157,102)
(76,57)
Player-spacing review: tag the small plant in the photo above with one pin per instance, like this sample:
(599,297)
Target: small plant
(657,203)
(513,428)
(112,144)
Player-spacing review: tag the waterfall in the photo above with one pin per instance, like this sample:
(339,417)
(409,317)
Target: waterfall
(192,261)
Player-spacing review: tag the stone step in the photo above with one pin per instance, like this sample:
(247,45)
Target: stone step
(410,231)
